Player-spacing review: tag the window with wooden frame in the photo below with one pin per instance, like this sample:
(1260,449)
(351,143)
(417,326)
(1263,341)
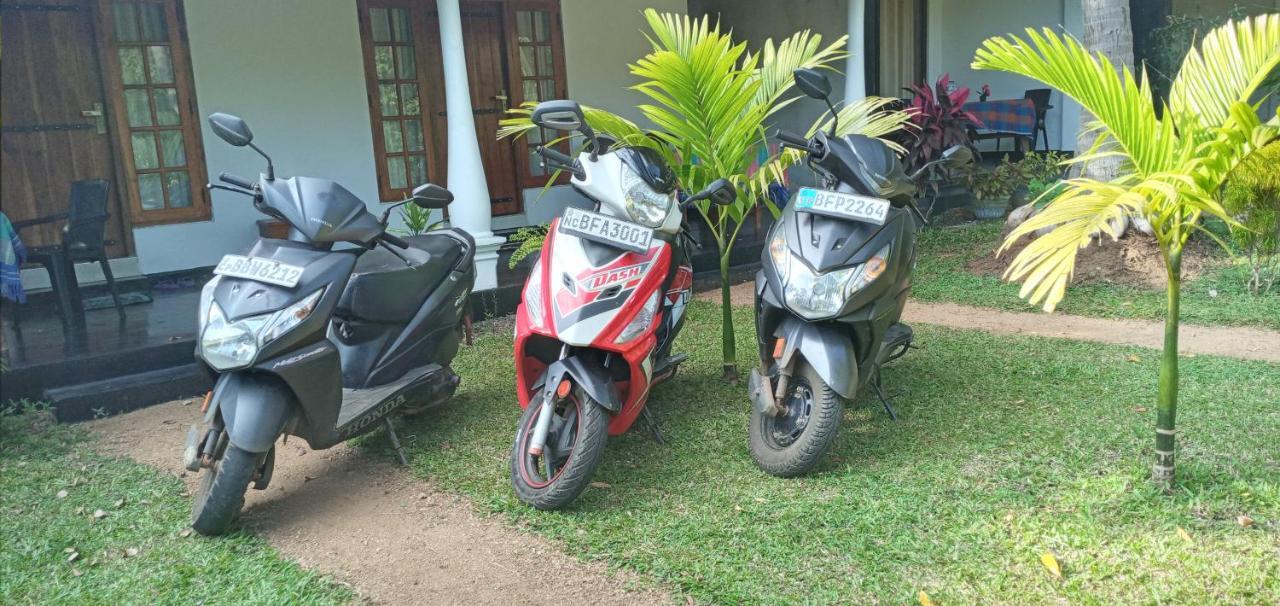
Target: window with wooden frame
(536,67)
(148,74)
(394,37)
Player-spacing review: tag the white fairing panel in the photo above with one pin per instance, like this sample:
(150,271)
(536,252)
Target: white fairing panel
(586,299)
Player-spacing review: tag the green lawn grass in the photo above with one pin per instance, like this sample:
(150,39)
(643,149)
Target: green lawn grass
(1007,448)
(140,552)
(941,276)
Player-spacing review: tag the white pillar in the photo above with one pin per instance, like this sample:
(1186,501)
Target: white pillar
(855,71)
(470,209)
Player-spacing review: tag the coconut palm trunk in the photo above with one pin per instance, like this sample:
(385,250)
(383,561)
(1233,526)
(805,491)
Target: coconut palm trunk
(1107,30)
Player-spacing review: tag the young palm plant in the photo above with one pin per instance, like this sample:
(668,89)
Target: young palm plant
(711,101)
(1173,163)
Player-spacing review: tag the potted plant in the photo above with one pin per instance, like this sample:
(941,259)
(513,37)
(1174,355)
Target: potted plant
(992,188)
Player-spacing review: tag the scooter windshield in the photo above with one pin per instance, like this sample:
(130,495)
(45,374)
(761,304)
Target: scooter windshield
(321,209)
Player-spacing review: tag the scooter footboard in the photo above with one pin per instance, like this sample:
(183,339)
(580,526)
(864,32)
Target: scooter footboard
(254,407)
(831,355)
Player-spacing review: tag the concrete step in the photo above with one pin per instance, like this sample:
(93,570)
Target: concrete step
(103,397)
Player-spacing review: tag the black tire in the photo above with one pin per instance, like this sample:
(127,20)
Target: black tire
(589,424)
(221,492)
(783,449)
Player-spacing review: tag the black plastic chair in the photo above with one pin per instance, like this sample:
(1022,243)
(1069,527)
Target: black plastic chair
(84,238)
(1040,97)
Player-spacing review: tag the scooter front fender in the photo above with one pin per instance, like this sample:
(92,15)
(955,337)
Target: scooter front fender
(830,354)
(254,408)
(592,379)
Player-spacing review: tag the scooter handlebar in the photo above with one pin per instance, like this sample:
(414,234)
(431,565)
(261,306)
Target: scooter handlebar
(227,177)
(393,239)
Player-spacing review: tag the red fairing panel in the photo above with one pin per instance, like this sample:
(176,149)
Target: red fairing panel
(592,309)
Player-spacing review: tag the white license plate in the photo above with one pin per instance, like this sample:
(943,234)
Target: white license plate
(843,206)
(261,270)
(606,230)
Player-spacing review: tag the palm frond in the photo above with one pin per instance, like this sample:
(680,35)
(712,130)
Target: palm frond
(1231,64)
(1118,100)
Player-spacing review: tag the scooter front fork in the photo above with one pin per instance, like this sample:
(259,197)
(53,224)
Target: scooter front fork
(542,427)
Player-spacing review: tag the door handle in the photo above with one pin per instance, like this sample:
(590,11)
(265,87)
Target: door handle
(501,98)
(99,118)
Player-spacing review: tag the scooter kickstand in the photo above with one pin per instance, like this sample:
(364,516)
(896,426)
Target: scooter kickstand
(653,425)
(395,441)
(888,407)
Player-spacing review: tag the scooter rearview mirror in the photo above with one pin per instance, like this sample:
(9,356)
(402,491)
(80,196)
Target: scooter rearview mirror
(231,129)
(431,196)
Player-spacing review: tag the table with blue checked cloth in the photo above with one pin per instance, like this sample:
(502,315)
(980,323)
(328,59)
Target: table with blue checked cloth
(1005,116)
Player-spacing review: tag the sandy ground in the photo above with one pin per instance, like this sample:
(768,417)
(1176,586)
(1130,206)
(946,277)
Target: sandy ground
(393,538)
(1232,342)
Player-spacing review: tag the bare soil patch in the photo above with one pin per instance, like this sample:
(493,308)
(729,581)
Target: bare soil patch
(1133,260)
(1227,341)
(392,537)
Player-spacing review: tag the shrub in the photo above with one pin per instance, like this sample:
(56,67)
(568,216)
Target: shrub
(1252,196)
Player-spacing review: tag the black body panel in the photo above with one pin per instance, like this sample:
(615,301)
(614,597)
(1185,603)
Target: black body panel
(384,289)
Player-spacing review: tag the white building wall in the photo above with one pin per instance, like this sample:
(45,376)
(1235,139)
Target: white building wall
(293,70)
(957,29)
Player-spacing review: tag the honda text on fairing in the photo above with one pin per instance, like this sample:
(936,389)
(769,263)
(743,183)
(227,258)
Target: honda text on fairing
(601,307)
(314,342)
(829,297)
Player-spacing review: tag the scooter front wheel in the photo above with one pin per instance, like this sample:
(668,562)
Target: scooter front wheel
(574,446)
(221,492)
(793,443)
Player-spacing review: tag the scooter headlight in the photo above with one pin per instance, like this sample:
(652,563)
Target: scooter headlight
(646,206)
(229,345)
(821,295)
(533,295)
(642,321)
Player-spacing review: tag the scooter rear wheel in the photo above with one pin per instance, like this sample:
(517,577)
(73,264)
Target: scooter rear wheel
(574,447)
(793,444)
(221,492)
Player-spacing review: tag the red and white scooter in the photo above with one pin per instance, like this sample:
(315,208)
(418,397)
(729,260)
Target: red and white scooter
(601,308)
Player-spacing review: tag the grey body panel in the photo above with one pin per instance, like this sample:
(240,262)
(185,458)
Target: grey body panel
(356,402)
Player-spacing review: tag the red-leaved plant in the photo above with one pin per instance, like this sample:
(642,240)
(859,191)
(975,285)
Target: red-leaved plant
(940,122)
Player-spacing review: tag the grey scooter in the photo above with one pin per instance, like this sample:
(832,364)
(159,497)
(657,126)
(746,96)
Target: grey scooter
(314,342)
(831,291)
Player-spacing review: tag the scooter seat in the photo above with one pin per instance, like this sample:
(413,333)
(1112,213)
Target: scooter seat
(386,290)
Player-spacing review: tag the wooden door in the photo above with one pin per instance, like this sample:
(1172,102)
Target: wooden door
(484,42)
(53,116)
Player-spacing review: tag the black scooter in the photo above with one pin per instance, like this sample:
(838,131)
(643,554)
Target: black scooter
(314,342)
(831,291)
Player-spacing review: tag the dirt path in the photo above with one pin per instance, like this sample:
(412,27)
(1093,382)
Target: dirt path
(1227,341)
(369,523)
